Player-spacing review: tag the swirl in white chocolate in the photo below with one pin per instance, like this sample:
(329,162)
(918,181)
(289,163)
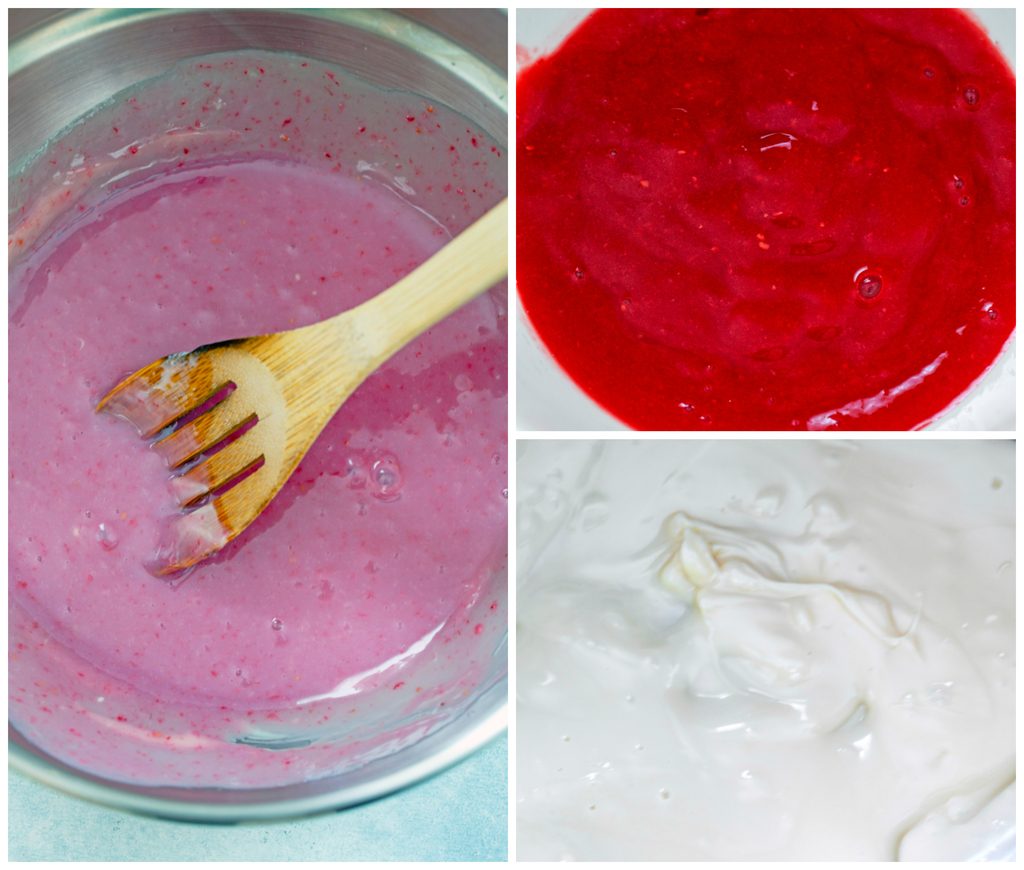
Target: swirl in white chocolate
(766,650)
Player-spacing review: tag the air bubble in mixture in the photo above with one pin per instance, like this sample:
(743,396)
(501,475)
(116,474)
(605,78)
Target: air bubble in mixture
(386,479)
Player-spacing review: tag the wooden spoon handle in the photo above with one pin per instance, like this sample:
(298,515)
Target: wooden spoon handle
(472,262)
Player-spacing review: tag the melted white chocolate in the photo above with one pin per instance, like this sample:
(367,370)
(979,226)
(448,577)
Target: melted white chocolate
(766,650)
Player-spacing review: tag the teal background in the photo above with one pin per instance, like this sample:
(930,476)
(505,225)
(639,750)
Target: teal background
(458,815)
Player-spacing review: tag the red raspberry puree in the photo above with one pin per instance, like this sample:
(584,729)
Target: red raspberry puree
(769,219)
(364,607)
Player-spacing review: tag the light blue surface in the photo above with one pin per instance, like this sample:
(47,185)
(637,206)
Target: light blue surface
(459,815)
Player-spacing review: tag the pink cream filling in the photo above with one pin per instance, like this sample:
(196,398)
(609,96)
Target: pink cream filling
(366,601)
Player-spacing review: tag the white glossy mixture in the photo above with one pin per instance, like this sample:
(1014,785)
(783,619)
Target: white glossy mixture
(766,650)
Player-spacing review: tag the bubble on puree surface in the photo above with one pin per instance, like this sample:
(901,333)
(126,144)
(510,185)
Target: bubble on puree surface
(769,219)
(239,195)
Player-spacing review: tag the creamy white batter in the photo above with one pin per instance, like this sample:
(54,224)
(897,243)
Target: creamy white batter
(766,650)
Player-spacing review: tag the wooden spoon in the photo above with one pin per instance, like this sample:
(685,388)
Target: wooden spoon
(236,417)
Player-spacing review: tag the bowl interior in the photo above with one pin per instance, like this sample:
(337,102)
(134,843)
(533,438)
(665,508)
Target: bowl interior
(548,399)
(388,50)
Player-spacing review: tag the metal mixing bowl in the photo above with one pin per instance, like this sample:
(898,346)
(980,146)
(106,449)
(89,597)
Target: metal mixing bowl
(66,66)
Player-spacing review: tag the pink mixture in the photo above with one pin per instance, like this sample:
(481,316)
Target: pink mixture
(368,597)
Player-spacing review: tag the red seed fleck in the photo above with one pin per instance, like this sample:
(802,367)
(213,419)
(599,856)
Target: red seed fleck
(410,118)
(184,150)
(286,122)
(399,684)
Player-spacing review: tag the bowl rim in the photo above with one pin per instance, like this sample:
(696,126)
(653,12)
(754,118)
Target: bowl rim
(43,769)
(59,33)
